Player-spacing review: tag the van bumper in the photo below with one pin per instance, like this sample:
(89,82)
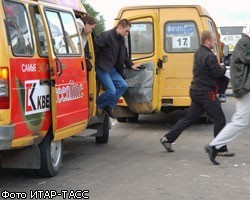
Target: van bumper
(6,136)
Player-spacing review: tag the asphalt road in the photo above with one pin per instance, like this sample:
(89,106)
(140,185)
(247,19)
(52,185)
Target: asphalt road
(134,166)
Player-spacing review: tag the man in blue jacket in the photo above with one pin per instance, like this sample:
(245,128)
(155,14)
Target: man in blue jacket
(111,59)
(203,89)
(240,80)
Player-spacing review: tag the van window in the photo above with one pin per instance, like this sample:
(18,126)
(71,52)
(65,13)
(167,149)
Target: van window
(213,30)
(63,31)
(142,40)
(39,31)
(181,37)
(18,29)
(231,30)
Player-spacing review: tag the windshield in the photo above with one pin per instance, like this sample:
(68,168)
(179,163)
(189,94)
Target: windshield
(237,30)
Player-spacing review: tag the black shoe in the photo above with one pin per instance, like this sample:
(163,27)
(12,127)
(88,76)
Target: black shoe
(212,153)
(167,145)
(108,110)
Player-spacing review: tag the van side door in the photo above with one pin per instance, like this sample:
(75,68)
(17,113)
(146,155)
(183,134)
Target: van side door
(143,48)
(68,73)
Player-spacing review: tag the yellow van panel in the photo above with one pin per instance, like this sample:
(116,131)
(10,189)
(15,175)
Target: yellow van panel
(144,9)
(177,71)
(177,75)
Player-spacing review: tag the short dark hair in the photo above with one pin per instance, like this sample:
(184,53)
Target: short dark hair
(123,23)
(206,35)
(87,19)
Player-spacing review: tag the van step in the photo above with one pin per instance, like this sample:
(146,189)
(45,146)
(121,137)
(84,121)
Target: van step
(86,133)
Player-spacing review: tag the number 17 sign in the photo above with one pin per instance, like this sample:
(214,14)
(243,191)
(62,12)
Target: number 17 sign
(181,42)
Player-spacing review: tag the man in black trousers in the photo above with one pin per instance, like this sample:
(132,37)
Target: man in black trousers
(203,90)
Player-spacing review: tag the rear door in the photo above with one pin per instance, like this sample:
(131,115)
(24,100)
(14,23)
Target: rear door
(143,47)
(180,40)
(68,74)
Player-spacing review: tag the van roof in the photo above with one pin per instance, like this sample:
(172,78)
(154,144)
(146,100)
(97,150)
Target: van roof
(74,4)
(202,11)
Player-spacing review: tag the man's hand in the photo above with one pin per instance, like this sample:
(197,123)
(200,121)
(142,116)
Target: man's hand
(222,65)
(136,66)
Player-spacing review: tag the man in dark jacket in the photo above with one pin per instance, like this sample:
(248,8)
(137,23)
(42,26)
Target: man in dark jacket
(203,88)
(240,80)
(110,61)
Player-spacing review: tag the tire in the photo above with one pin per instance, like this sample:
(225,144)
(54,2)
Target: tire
(122,119)
(103,130)
(133,119)
(51,153)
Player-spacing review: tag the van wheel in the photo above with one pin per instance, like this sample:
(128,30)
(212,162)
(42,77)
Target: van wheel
(121,119)
(133,119)
(51,156)
(103,129)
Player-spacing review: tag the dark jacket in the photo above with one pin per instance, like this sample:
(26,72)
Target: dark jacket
(240,67)
(206,70)
(111,52)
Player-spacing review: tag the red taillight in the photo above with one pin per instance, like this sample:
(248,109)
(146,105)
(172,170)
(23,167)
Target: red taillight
(4,88)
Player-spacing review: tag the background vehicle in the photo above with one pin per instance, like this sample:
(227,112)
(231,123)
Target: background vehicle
(229,35)
(47,93)
(165,39)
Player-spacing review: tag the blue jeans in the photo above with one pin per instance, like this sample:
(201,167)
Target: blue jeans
(114,86)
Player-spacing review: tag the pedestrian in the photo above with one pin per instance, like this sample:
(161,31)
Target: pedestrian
(222,82)
(240,80)
(86,25)
(111,58)
(206,72)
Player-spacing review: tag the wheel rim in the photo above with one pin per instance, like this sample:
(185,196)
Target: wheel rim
(55,152)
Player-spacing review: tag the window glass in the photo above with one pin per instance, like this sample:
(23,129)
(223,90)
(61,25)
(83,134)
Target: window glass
(63,32)
(233,30)
(56,31)
(212,29)
(141,38)
(181,37)
(39,32)
(19,29)
(72,38)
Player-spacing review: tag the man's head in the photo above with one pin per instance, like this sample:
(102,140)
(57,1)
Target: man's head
(208,39)
(89,23)
(123,27)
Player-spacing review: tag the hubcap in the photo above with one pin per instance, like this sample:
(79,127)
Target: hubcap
(55,152)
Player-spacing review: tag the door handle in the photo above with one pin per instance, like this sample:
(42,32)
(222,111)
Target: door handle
(160,63)
(58,67)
